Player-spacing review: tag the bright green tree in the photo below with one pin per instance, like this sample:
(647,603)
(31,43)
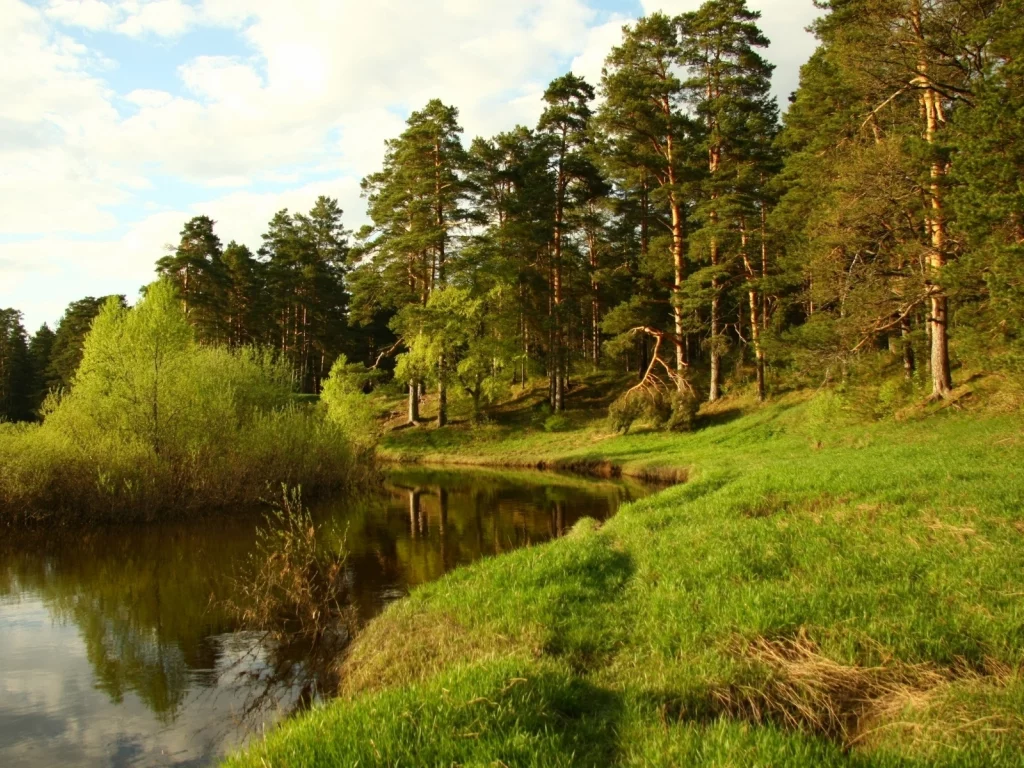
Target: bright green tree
(69,338)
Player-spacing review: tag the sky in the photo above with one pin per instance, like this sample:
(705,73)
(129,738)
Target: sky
(122,119)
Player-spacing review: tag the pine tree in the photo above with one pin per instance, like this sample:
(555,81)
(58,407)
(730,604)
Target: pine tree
(988,199)
(196,269)
(515,202)
(727,87)
(16,378)
(304,260)
(418,203)
(245,310)
(565,123)
(645,122)
(928,54)
(40,351)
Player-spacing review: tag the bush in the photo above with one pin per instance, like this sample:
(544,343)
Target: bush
(156,424)
(893,395)
(826,411)
(556,423)
(295,586)
(625,410)
(294,594)
(675,411)
(347,403)
(683,416)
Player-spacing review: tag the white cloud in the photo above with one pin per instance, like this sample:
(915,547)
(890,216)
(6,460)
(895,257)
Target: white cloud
(222,79)
(281,107)
(90,14)
(165,18)
(589,62)
(71,268)
(136,18)
(50,105)
(323,84)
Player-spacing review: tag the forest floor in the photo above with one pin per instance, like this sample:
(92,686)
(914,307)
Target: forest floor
(825,589)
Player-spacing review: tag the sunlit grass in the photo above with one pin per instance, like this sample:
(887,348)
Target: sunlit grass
(824,591)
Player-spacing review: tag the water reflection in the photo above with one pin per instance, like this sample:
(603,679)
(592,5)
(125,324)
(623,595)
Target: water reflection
(115,648)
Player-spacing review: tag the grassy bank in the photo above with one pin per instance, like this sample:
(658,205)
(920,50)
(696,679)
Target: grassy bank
(823,591)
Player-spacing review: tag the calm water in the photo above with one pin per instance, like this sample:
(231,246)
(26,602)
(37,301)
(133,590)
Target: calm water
(114,648)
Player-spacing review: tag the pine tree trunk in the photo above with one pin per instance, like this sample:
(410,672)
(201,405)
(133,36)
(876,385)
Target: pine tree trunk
(678,267)
(755,325)
(908,350)
(442,395)
(764,262)
(715,389)
(595,311)
(414,403)
(559,334)
(942,382)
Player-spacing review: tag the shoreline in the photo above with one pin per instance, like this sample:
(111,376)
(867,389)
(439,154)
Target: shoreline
(804,574)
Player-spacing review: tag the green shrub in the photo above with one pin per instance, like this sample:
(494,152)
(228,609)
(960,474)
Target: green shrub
(893,394)
(156,424)
(625,410)
(556,423)
(825,412)
(674,411)
(347,403)
(683,415)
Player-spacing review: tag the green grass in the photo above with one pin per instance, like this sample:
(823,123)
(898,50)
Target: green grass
(822,592)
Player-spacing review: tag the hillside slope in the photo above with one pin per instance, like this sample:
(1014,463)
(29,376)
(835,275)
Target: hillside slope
(819,593)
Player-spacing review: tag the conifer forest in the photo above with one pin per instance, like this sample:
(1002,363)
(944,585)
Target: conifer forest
(665,220)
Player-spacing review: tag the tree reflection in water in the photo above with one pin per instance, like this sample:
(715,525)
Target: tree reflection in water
(148,603)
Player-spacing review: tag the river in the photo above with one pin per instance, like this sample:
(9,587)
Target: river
(116,648)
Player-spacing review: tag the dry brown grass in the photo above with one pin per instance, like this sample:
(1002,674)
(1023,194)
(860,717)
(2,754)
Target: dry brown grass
(861,707)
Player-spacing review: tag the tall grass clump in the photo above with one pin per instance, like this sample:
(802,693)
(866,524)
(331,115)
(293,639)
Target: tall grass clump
(294,594)
(156,424)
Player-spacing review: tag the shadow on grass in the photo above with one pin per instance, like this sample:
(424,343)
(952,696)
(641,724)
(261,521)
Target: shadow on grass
(718,418)
(511,713)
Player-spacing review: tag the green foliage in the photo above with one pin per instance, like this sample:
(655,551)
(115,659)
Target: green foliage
(456,339)
(672,410)
(69,339)
(826,411)
(720,621)
(156,424)
(683,411)
(557,423)
(626,410)
(989,201)
(348,403)
(40,352)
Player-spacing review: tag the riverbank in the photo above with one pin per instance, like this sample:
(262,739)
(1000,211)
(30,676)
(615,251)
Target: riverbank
(823,591)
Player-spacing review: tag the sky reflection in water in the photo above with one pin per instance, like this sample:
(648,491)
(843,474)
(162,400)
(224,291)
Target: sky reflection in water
(114,650)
